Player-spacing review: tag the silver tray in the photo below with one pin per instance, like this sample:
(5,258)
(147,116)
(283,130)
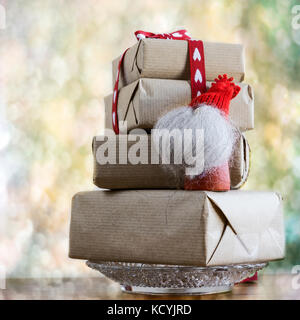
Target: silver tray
(171,279)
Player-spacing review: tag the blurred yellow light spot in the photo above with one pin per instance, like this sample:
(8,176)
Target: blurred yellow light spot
(272,134)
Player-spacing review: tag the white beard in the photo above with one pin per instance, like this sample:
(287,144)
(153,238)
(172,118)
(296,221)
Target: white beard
(219,134)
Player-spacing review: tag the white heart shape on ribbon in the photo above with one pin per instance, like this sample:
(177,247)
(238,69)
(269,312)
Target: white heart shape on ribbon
(114,118)
(196,55)
(176,34)
(198,76)
(198,93)
(115,93)
(140,36)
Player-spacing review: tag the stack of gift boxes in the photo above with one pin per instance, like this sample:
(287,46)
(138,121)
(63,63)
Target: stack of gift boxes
(147,216)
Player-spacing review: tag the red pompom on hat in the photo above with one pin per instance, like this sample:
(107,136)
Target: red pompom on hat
(219,94)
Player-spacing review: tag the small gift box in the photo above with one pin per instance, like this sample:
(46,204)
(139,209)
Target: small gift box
(156,176)
(143,102)
(169,59)
(177,227)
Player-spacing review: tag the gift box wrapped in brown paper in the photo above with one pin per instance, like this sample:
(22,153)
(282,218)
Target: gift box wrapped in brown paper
(177,227)
(157,176)
(143,102)
(169,59)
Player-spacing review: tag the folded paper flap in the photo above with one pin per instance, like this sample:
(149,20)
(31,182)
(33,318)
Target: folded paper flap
(137,60)
(243,216)
(131,60)
(278,241)
(215,225)
(126,109)
(126,96)
(241,155)
(247,94)
(247,155)
(228,248)
(247,231)
(252,247)
(139,57)
(227,228)
(242,107)
(94,145)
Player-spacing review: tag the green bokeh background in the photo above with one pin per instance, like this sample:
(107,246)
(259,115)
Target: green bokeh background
(55,69)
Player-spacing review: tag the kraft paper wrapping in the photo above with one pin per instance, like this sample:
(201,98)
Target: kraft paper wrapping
(169,59)
(158,176)
(177,227)
(143,102)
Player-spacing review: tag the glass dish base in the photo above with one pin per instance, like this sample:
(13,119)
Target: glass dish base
(176,291)
(173,279)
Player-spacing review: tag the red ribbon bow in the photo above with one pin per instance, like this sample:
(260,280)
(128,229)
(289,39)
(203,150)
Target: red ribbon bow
(176,35)
(197,66)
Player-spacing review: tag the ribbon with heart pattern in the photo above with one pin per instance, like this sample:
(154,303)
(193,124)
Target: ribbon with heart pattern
(197,67)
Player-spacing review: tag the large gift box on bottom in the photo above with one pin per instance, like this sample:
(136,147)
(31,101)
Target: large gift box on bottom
(177,227)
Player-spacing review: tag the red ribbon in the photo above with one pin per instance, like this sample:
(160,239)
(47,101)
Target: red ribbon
(197,66)
(115,120)
(176,35)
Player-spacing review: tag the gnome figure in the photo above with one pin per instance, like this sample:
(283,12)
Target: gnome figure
(209,112)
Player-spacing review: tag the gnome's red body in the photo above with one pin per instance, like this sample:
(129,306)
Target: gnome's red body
(218,96)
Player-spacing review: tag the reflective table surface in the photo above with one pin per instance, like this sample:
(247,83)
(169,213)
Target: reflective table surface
(279,286)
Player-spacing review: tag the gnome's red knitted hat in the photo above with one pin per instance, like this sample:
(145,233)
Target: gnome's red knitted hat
(219,94)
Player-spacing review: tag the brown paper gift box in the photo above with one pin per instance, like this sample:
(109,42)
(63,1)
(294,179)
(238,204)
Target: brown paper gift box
(143,102)
(158,176)
(169,59)
(177,227)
